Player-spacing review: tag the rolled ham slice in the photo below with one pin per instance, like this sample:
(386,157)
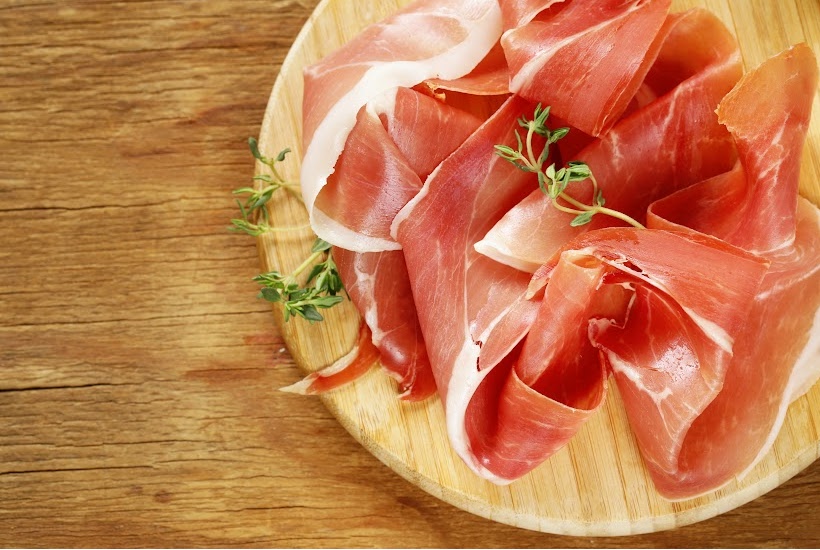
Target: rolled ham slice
(584,59)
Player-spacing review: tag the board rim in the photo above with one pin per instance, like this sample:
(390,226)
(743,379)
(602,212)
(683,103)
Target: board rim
(268,248)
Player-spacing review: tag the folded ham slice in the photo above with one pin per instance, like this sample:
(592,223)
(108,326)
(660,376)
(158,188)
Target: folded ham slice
(776,356)
(670,144)
(387,154)
(397,140)
(457,35)
(584,59)
(378,285)
(355,363)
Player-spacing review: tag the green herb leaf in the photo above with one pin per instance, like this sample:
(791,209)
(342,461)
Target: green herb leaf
(310,313)
(254,147)
(323,281)
(582,219)
(282,154)
(270,294)
(557,134)
(320,245)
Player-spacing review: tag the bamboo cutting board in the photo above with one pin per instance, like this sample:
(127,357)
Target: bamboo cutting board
(596,485)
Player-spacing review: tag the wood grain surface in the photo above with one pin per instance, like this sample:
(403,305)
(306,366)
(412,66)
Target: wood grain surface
(138,402)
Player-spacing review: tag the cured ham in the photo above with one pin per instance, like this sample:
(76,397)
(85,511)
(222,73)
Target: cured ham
(379,286)
(668,145)
(355,363)
(384,160)
(776,355)
(472,285)
(490,77)
(458,34)
(381,168)
(517,13)
(585,59)
(498,358)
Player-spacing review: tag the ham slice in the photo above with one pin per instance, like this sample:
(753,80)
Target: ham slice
(490,77)
(385,158)
(585,59)
(378,285)
(457,35)
(679,132)
(780,93)
(777,354)
(354,364)
(517,13)
(460,305)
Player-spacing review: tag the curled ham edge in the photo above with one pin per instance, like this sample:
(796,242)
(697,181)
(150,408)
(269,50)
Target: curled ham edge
(328,139)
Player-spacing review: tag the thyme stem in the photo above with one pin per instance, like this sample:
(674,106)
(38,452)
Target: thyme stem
(323,284)
(554,182)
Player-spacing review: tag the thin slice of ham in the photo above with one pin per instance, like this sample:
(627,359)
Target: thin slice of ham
(457,35)
(517,13)
(670,144)
(777,355)
(351,366)
(761,190)
(398,139)
(371,182)
(388,152)
(586,59)
(490,77)
(378,285)
(461,296)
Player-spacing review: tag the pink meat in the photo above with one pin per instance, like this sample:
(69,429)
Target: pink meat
(586,59)
(378,285)
(762,189)
(519,376)
(426,130)
(490,77)
(460,295)
(776,355)
(385,56)
(671,143)
(344,370)
(517,13)
(371,182)
(385,157)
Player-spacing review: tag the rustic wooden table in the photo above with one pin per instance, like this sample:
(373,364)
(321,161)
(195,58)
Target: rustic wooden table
(138,402)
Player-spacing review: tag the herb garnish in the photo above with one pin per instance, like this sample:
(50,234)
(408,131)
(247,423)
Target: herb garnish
(305,301)
(323,285)
(255,219)
(554,182)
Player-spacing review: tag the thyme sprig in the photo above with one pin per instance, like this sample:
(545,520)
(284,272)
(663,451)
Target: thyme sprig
(255,219)
(554,182)
(323,285)
(321,291)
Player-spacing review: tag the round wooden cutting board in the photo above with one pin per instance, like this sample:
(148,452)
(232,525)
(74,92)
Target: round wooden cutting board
(597,485)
